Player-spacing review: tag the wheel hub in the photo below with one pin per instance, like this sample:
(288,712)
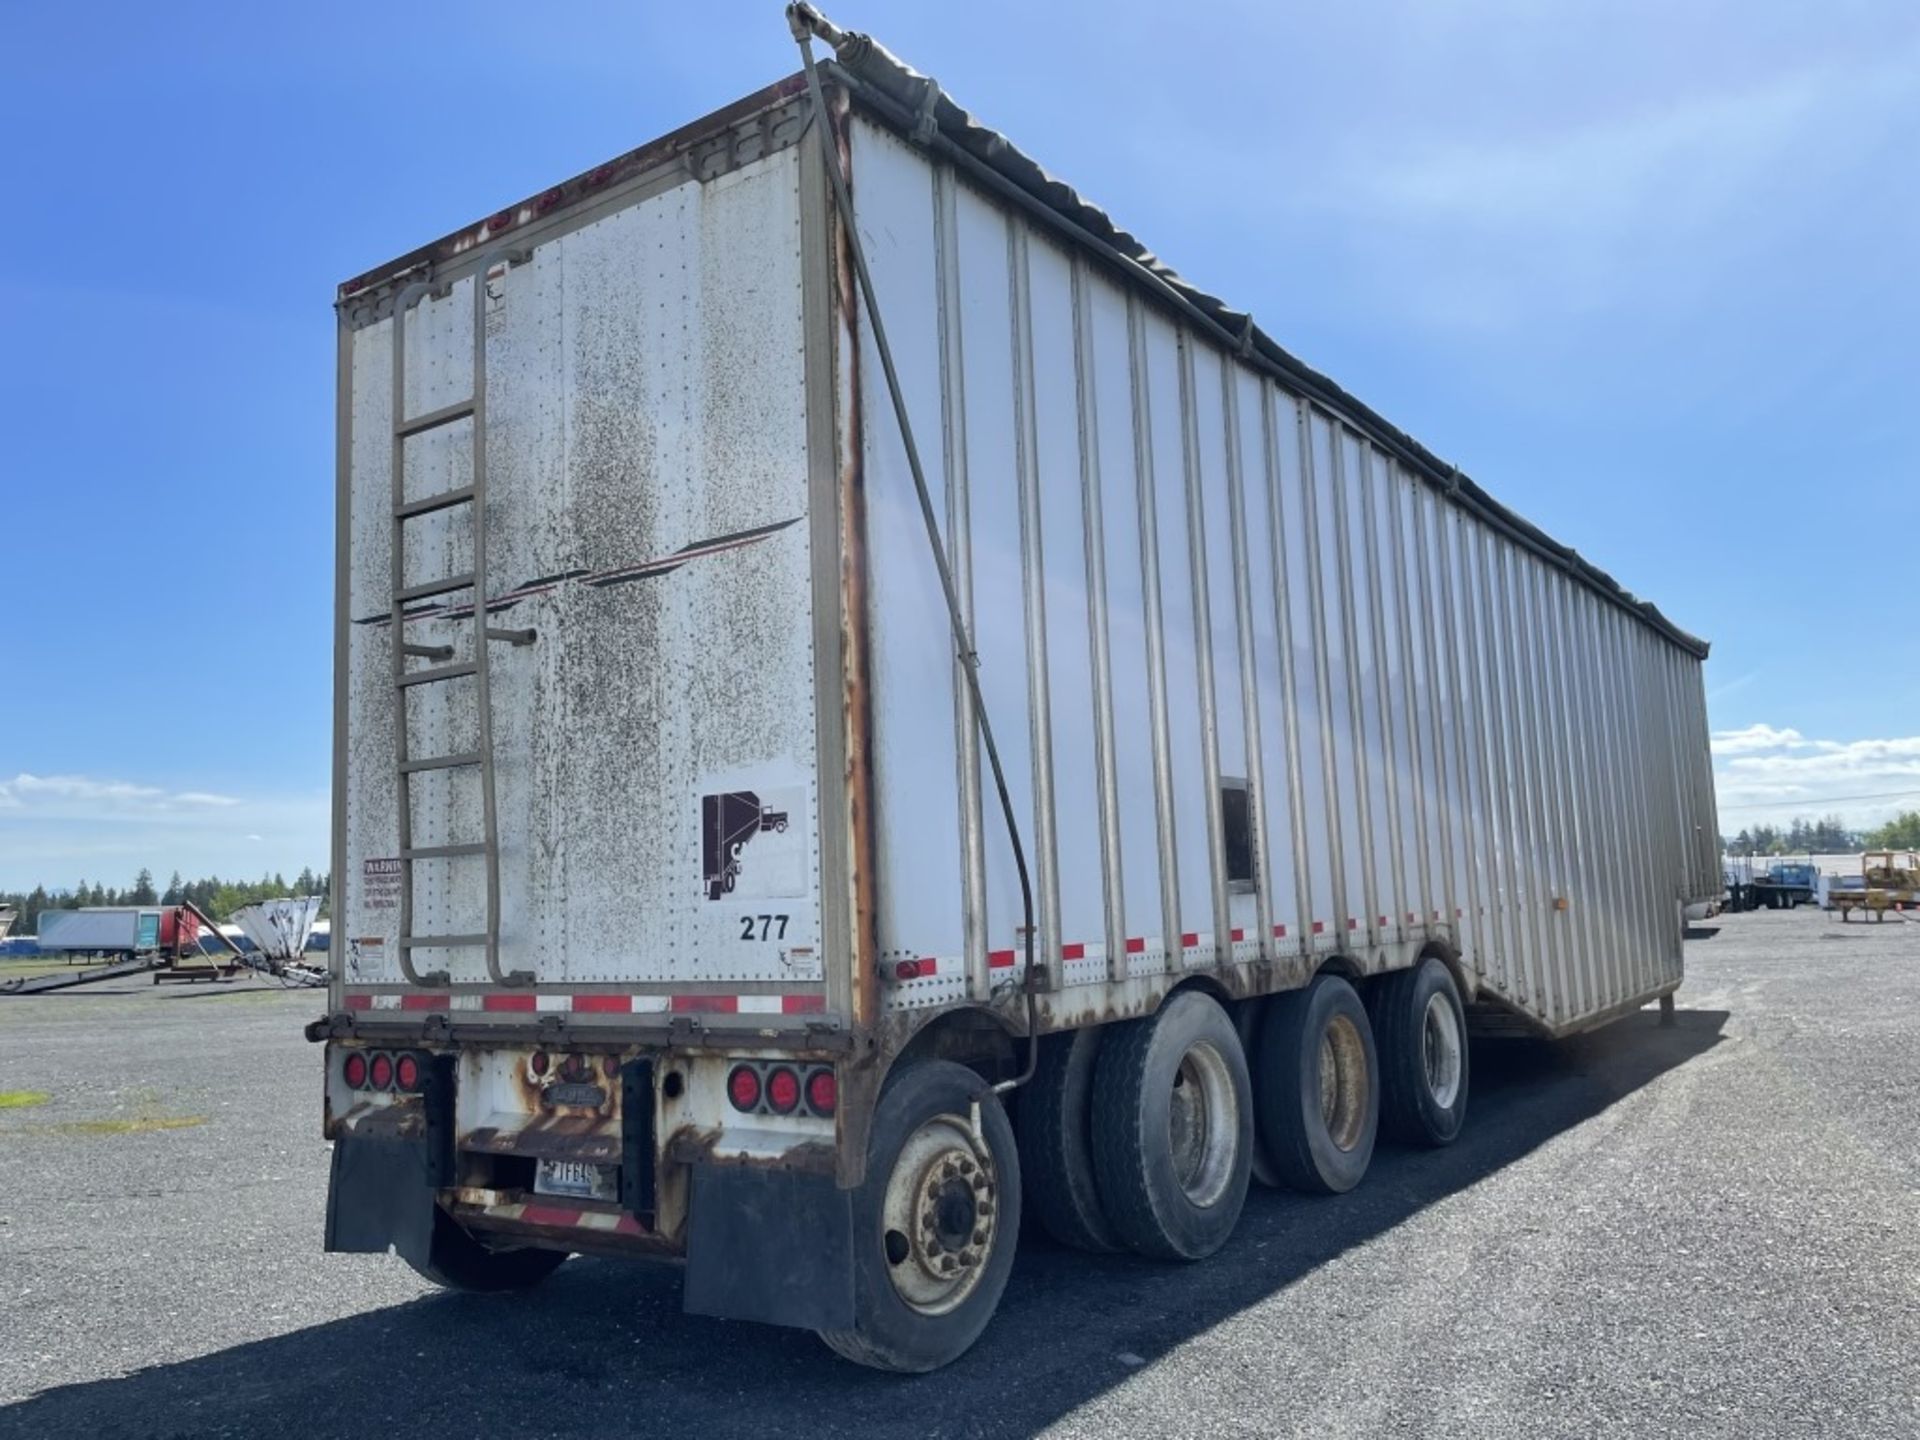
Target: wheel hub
(940,1216)
(1440,1050)
(1203,1124)
(1343,1082)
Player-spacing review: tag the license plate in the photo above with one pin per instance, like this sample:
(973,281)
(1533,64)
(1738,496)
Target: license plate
(578,1179)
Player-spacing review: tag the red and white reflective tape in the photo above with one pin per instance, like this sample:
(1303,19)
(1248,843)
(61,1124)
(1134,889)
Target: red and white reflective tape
(567,1217)
(546,1002)
(952,967)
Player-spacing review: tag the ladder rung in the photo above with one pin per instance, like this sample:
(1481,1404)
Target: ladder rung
(443,852)
(428,652)
(439,942)
(440,762)
(445,500)
(438,673)
(435,587)
(511,637)
(433,419)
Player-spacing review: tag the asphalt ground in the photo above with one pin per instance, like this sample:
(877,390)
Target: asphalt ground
(1712,1229)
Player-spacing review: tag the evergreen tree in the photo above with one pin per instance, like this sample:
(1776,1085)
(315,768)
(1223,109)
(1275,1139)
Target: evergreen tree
(143,892)
(1900,833)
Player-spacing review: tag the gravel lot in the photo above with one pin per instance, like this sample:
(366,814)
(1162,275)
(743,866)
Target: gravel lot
(1707,1230)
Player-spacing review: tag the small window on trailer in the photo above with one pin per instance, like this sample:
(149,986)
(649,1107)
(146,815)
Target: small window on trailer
(1236,823)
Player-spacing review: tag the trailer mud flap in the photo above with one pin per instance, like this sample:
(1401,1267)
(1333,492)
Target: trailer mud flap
(381,1196)
(774,1246)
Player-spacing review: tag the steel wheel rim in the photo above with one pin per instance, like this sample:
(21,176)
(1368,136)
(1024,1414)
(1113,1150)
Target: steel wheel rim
(1441,1050)
(1203,1125)
(1343,1082)
(938,1219)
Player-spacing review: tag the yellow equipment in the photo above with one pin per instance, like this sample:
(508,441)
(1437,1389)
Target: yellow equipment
(1892,883)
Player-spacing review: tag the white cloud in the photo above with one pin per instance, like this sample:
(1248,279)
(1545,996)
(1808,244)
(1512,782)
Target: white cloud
(58,829)
(1766,774)
(56,795)
(1753,738)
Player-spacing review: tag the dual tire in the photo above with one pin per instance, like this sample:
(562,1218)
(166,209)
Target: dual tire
(1141,1135)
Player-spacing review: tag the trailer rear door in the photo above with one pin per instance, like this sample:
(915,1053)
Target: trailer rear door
(646,494)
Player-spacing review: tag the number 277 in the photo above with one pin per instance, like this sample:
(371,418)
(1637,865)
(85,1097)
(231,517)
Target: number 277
(763,927)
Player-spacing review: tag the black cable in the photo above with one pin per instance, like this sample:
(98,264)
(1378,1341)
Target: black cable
(803,18)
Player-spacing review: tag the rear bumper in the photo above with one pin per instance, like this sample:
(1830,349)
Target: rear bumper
(792,1034)
(774,1246)
(747,1197)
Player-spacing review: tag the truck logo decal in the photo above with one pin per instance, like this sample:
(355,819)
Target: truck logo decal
(598,579)
(732,819)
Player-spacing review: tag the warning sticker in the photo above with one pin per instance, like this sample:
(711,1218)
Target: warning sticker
(366,952)
(753,843)
(380,884)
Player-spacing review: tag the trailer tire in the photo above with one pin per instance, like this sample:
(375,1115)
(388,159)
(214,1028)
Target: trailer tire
(1173,1128)
(1247,1016)
(458,1261)
(1321,1139)
(931,1196)
(1420,1028)
(1055,1126)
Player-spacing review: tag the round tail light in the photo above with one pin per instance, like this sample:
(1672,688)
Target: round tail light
(354,1070)
(783,1091)
(406,1070)
(382,1071)
(540,1062)
(823,1092)
(743,1087)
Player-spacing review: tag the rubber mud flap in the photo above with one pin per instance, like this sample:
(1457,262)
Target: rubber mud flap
(380,1196)
(774,1246)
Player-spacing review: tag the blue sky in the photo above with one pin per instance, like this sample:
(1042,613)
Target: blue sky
(1645,270)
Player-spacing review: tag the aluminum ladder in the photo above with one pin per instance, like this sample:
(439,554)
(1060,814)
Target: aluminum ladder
(443,667)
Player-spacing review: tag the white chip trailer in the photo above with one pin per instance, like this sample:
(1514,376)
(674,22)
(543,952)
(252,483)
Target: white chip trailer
(679,912)
(100,929)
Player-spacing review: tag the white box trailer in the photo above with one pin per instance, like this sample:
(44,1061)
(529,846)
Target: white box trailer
(97,929)
(679,912)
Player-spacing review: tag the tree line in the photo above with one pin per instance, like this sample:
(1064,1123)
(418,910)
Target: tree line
(219,898)
(1829,836)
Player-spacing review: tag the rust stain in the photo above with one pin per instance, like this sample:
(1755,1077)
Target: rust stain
(622,167)
(856,671)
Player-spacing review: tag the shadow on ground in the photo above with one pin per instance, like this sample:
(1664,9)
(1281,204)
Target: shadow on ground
(603,1349)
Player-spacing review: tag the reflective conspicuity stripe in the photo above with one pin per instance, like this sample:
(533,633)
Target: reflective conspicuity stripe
(522,1003)
(566,1216)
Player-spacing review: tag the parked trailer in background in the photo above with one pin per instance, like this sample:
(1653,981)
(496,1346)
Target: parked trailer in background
(679,913)
(103,929)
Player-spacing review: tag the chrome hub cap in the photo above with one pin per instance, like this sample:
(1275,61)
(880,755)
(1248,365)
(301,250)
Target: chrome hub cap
(939,1216)
(1441,1051)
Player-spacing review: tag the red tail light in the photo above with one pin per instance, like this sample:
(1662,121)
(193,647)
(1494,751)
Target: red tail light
(783,1091)
(540,1062)
(823,1092)
(406,1070)
(382,1071)
(354,1070)
(743,1087)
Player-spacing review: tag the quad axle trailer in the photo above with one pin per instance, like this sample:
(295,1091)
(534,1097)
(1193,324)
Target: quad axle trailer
(835,637)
